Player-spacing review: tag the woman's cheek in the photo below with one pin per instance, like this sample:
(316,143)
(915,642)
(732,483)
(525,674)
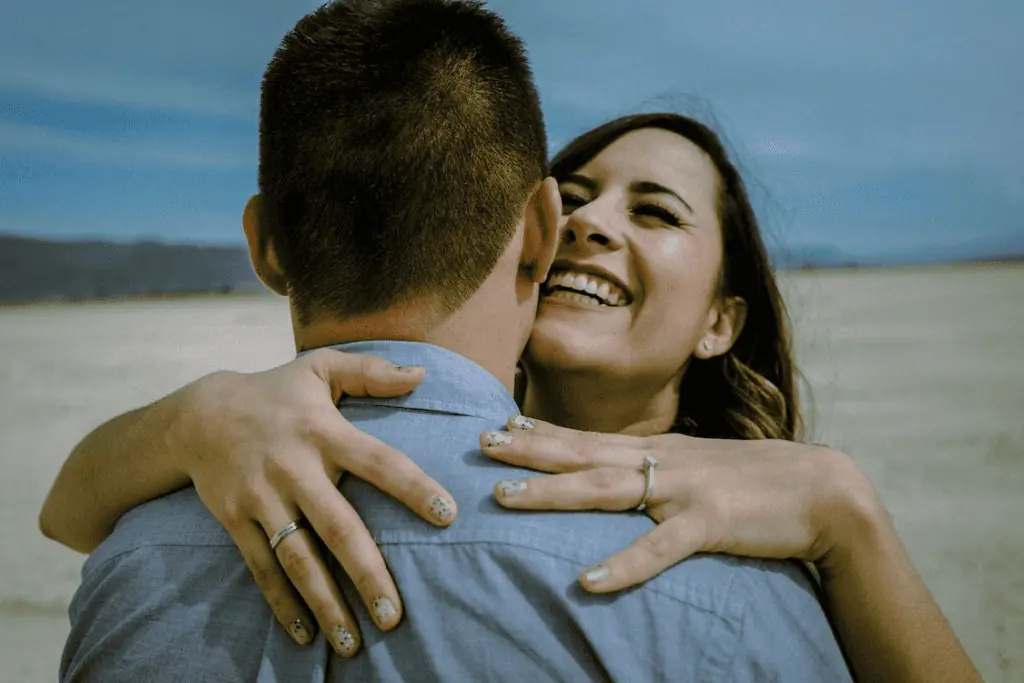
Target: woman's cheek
(670,246)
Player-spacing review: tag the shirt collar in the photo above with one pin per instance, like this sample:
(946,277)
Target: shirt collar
(453,384)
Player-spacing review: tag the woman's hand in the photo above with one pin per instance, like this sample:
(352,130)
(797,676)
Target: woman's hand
(268,448)
(768,499)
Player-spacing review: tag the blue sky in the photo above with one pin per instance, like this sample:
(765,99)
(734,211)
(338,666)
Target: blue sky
(882,129)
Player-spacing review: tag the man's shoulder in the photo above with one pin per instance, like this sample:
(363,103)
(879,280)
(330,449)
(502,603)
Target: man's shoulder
(143,601)
(513,573)
(774,606)
(731,586)
(177,519)
(784,632)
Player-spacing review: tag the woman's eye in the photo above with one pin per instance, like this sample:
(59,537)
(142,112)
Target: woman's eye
(659,212)
(571,202)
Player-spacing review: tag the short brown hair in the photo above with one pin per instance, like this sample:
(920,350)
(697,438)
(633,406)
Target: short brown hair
(399,140)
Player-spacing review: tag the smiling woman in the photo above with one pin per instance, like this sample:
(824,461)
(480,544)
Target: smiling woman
(654,206)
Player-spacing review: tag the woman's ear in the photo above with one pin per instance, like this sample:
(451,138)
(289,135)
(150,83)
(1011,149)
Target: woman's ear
(725,323)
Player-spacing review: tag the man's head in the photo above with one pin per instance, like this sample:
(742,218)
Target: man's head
(401,142)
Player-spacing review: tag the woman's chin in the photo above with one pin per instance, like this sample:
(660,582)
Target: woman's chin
(555,346)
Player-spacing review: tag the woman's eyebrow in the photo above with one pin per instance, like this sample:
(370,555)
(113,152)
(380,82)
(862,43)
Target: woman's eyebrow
(581,180)
(648,187)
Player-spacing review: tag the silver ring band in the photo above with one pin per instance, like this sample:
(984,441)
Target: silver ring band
(276,539)
(648,470)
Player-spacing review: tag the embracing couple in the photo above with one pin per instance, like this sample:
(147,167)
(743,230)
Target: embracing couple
(429,249)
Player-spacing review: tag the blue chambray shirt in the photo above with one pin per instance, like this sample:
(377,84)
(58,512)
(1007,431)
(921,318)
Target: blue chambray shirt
(494,597)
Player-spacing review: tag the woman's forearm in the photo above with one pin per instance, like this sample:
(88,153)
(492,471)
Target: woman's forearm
(886,618)
(119,465)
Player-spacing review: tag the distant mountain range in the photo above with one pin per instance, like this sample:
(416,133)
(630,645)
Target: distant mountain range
(43,270)
(823,257)
(40,270)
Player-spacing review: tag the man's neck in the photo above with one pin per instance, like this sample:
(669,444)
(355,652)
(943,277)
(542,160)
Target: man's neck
(485,330)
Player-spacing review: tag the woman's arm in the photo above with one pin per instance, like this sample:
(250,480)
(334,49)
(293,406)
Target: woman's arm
(769,499)
(884,615)
(119,465)
(254,445)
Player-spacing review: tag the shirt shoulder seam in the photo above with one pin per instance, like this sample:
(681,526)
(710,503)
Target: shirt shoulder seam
(573,560)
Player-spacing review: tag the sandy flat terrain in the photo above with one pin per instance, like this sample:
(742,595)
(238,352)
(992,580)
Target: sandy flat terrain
(917,374)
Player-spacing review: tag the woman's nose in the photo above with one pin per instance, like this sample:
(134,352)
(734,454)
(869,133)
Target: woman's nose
(587,227)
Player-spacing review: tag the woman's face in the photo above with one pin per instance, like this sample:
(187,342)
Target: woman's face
(633,292)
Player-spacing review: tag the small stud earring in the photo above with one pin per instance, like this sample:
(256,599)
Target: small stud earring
(706,347)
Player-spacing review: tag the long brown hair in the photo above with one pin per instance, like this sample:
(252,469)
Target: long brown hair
(751,391)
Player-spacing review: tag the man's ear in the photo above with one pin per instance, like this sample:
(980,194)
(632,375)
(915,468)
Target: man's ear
(261,249)
(725,323)
(543,215)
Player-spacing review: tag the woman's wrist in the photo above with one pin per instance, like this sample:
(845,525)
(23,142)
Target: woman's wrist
(856,519)
(187,414)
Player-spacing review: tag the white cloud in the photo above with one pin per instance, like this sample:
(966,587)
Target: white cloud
(41,140)
(94,85)
(779,147)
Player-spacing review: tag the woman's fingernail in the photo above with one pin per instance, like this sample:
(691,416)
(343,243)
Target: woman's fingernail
(407,368)
(343,641)
(441,508)
(596,574)
(384,611)
(496,438)
(300,634)
(522,422)
(511,487)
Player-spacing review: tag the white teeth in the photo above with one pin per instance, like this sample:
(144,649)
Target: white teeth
(595,286)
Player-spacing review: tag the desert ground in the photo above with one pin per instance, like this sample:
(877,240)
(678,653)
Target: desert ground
(918,374)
